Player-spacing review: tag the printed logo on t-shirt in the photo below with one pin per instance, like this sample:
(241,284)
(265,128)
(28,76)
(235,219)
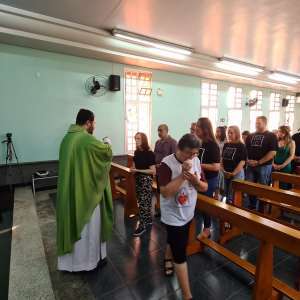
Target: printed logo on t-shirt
(182,198)
(257,140)
(228,153)
(201,154)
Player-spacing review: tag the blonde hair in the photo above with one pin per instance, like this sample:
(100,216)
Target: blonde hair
(237,132)
(287,134)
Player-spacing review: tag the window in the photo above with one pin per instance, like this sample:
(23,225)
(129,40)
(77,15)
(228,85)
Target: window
(234,104)
(255,110)
(209,106)
(274,115)
(289,113)
(138,88)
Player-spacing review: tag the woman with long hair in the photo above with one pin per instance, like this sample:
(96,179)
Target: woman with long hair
(209,155)
(233,160)
(284,154)
(144,169)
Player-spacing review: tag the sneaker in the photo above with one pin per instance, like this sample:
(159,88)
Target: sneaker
(139,231)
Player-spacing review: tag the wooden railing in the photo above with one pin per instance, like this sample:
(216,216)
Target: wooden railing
(292,179)
(123,186)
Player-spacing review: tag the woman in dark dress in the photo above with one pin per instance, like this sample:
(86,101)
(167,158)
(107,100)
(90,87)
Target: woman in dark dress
(144,169)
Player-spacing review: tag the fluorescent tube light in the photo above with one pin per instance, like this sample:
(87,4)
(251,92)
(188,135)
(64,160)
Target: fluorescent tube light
(151,42)
(284,78)
(238,67)
(168,54)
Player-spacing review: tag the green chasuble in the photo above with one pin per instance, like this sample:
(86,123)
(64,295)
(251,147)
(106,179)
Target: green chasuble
(84,164)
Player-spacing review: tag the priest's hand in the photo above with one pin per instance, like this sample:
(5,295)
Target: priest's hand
(107,140)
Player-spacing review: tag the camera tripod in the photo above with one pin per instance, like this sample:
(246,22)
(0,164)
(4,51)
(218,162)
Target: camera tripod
(11,154)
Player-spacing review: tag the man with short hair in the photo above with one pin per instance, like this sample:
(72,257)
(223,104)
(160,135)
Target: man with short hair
(261,147)
(84,202)
(165,146)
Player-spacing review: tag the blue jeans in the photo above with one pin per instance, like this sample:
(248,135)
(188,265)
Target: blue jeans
(260,174)
(212,186)
(228,185)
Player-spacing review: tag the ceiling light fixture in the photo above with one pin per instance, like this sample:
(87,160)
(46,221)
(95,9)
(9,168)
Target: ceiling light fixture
(238,67)
(282,77)
(144,40)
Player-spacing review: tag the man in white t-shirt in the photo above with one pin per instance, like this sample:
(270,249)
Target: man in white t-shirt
(180,178)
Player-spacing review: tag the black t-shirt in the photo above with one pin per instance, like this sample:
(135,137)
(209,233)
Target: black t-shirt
(143,159)
(296,138)
(259,144)
(209,153)
(232,154)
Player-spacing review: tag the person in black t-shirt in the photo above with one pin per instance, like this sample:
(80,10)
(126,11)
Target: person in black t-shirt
(234,157)
(296,163)
(209,155)
(261,148)
(144,169)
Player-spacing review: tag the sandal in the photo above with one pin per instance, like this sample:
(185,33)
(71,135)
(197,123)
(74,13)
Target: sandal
(204,234)
(169,271)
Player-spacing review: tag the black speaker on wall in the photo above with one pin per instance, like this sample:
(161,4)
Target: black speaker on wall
(285,102)
(114,83)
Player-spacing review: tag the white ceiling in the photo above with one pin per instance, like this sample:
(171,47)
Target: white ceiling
(264,32)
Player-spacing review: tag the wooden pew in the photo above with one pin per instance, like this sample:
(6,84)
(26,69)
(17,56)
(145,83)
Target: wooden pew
(267,231)
(126,190)
(293,179)
(277,198)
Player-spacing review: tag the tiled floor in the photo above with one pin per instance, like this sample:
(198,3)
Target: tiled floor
(6,216)
(134,268)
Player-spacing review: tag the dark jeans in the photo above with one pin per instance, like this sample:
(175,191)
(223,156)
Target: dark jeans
(262,175)
(228,186)
(212,186)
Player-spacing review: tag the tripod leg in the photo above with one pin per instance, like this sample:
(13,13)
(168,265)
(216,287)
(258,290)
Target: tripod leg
(16,157)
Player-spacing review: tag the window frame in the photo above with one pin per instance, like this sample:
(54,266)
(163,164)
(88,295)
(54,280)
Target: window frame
(274,108)
(208,106)
(237,106)
(136,103)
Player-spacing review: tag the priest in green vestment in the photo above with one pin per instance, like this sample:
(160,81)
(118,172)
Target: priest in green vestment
(84,201)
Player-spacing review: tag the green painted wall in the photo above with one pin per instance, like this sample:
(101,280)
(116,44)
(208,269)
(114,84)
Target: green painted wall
(41,92)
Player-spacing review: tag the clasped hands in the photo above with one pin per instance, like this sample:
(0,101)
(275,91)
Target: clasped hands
(187,174)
